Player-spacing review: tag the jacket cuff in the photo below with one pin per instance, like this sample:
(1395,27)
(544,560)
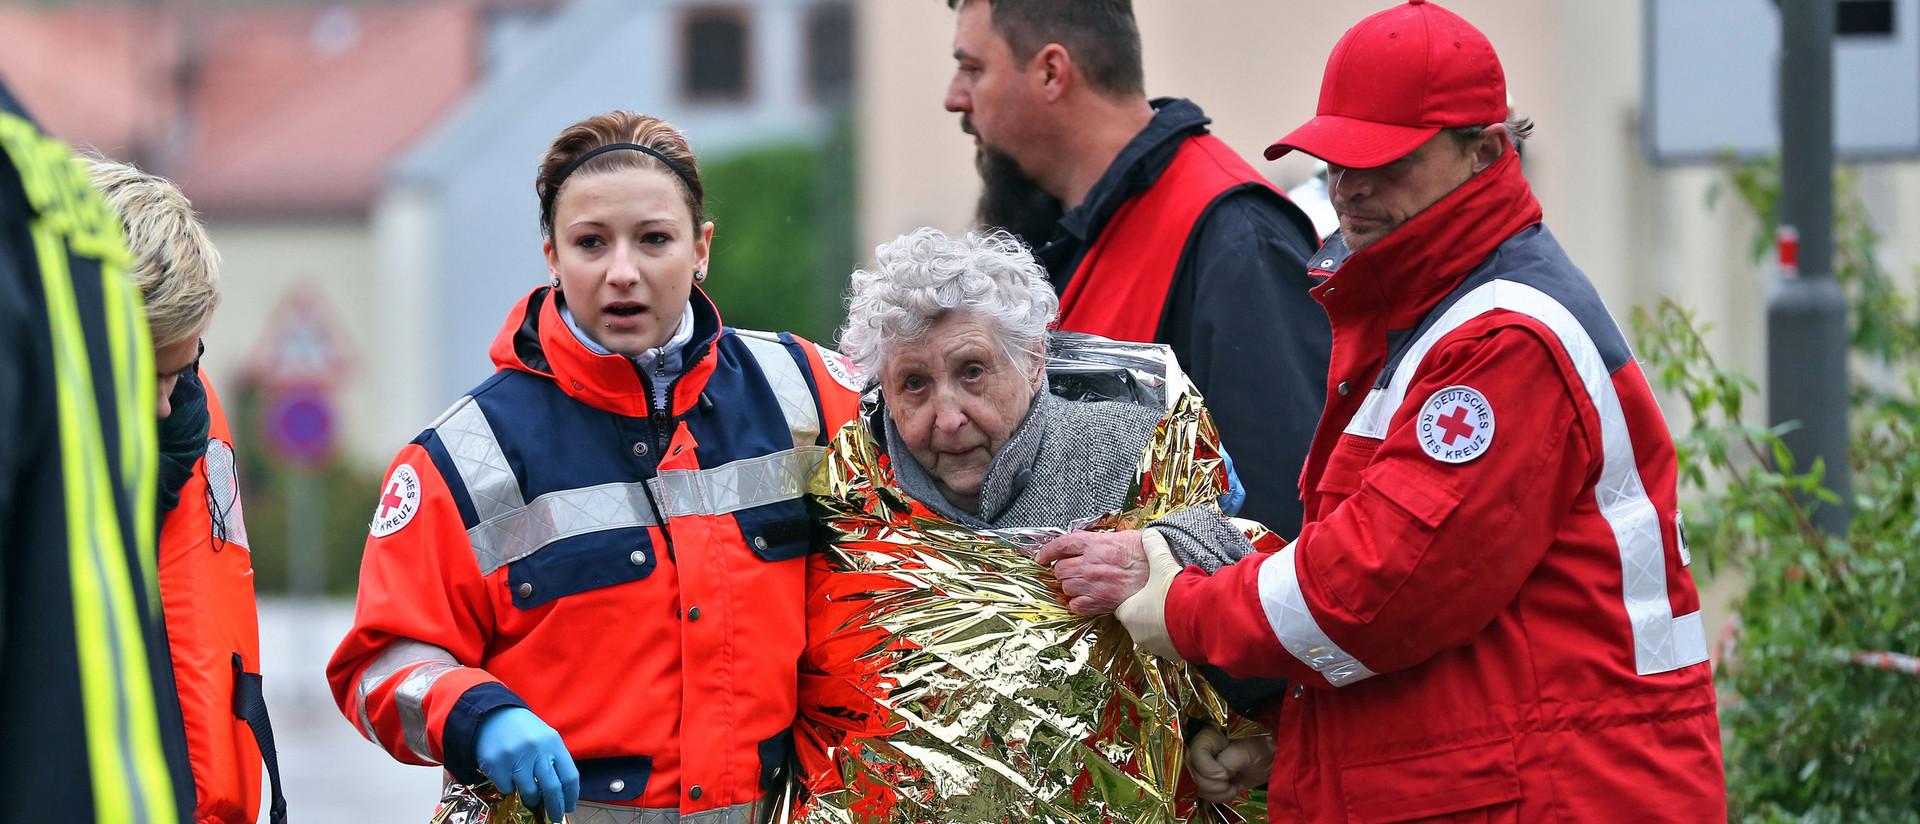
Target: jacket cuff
(1182,626)
(1200,536)
(460,737)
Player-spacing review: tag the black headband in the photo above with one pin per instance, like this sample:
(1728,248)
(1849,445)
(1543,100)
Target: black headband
(671,166)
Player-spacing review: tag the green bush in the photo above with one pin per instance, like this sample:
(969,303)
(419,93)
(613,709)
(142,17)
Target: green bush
(783,235)
(1812,736)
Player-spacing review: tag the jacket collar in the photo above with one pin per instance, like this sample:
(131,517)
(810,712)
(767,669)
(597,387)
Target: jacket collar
(536,339)
(1410,270)
(1134,170)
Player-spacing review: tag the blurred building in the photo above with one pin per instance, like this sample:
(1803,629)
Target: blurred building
(381,155)
(458,222)
(279,121)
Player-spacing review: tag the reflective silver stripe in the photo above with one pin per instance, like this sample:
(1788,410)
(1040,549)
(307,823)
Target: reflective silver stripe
(1293,623)
(510,529)
(398,655)
(1661,641)
(788,383)
(476,455)
(223,490)
(411,696)
(743,484)
(556,516)
(593,813)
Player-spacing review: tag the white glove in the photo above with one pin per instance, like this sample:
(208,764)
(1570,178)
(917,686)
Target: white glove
(1145,613)
(1224,769)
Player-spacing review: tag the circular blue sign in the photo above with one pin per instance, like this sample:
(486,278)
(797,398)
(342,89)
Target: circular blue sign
(299,425)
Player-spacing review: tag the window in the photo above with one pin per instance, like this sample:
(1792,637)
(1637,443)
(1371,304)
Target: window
(1864,17)
(830,52)
(714,56)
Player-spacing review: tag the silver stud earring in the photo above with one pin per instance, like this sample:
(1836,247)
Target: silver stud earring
(699,276)
(556,283)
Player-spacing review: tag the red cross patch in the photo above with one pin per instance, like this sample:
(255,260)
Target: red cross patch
(842,370)
(1455,425)
(399,500)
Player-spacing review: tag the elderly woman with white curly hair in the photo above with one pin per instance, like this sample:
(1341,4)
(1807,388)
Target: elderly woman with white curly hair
(953,331)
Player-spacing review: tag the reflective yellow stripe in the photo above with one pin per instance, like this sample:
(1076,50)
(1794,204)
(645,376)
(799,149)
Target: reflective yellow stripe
(129,771)
(133,373)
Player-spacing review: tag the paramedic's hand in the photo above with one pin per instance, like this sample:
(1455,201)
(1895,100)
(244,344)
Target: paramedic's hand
(1224,769)
(518,752)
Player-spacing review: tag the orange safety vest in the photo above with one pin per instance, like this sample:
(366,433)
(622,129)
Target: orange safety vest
(213,636)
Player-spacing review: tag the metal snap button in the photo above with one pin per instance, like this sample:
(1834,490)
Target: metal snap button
(638,558)
(1342,388)
(694,793)
(760,542)
(1299,690)
(639,449)
(693,614)
(1325,263)
(526,590)
(616,786)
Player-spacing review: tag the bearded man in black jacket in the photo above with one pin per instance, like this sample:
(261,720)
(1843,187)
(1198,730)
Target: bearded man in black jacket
(1150,228)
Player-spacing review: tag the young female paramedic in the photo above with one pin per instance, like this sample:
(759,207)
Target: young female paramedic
(584,582)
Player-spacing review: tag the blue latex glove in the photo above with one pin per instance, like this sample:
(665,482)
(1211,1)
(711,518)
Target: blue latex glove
(518,752)
(1236,496)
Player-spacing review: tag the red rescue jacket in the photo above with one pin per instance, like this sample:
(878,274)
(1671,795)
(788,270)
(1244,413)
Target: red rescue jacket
(1489,610)
(633,575)
(213,631)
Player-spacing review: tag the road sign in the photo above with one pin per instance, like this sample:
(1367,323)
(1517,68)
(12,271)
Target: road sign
(1713,71)
(298,423)
(303,344)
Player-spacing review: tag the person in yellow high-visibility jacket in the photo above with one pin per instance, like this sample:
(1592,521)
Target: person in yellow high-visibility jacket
(79,607)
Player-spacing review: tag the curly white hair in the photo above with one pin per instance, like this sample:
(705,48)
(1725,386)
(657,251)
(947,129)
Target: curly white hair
(920,277)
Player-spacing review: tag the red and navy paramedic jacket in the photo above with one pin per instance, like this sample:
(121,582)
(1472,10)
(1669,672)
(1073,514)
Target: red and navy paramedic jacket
(1489,611)
(634,576)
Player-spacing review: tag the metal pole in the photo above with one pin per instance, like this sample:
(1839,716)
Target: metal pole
(306,546)
(1806,313)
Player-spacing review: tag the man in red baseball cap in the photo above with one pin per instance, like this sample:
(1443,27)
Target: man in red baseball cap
(1488,615)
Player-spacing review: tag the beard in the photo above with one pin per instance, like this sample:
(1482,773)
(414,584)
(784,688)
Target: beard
(1010,200)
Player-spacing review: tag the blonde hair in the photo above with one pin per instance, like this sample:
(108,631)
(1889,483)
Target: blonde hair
(174,264)
(618,127)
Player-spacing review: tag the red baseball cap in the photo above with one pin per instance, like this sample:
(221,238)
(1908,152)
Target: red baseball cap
(1394,81)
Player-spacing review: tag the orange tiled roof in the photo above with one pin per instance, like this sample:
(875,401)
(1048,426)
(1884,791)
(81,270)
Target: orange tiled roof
(269,109)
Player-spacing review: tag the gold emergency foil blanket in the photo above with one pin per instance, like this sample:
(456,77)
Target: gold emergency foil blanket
(483,804)
(1009,707)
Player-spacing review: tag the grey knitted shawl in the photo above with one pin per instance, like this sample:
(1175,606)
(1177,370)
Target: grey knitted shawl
(1066,461)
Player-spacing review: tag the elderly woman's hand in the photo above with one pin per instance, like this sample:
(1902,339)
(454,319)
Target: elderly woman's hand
(1097,570)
